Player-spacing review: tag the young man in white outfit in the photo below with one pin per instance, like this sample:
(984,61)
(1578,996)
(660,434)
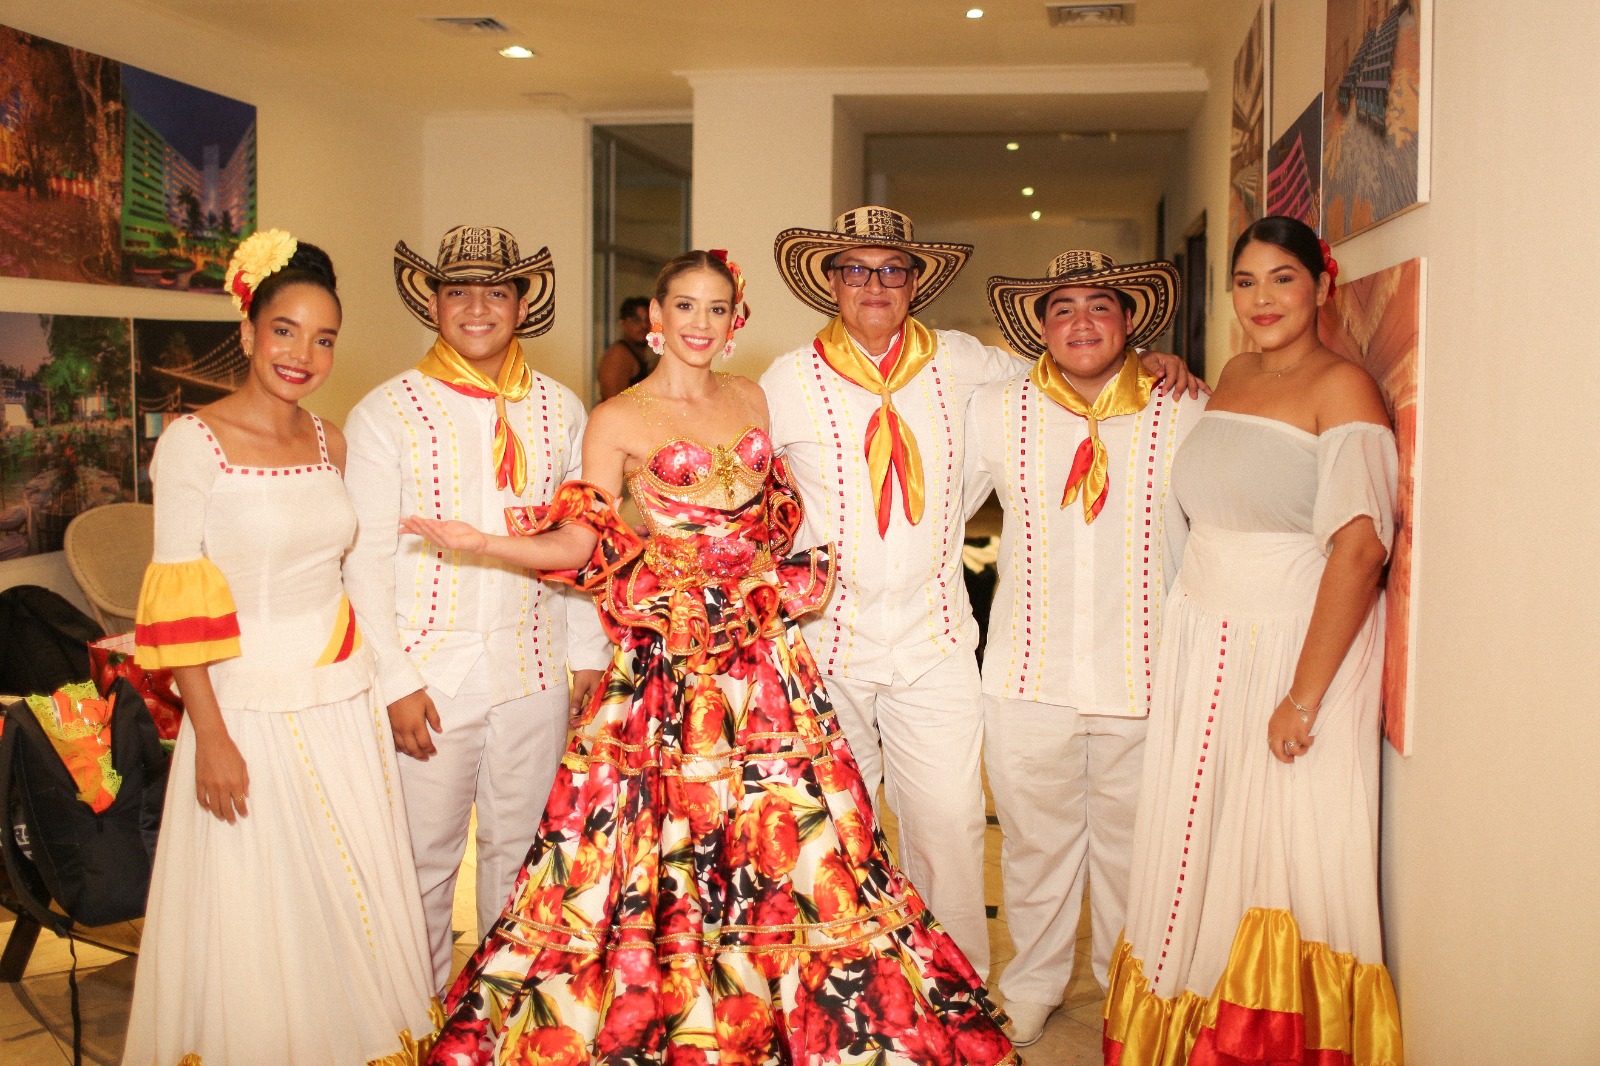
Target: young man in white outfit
(872,415)
(1079,450)
(472,654)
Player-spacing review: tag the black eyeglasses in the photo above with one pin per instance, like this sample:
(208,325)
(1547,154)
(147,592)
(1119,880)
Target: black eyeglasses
(855,275)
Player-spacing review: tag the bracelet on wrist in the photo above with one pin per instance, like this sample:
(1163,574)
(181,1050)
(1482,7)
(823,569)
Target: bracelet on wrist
(1305,712)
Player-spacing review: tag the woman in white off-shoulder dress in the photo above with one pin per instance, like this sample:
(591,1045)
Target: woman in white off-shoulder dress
(1253,931)
(284,923)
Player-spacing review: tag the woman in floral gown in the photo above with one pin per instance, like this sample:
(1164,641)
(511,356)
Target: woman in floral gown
(709,884)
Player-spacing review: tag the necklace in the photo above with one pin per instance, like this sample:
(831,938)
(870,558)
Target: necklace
(1284,370)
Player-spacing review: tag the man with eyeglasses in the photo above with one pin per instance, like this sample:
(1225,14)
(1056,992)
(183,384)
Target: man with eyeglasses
(871,414)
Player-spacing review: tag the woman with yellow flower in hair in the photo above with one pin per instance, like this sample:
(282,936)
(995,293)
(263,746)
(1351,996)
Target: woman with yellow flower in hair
(284,922)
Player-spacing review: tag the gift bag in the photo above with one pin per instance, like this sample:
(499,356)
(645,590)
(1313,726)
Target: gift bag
(94,865)
(112,658)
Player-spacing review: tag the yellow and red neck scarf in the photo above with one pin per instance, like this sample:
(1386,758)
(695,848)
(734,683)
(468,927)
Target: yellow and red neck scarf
(446,366)
(891,448)
(1126,395)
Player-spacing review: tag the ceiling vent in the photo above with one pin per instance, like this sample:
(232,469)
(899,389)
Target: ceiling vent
(1072,16)
(468,26)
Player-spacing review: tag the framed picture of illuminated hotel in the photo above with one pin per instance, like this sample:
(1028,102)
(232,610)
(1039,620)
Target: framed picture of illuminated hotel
(189,182)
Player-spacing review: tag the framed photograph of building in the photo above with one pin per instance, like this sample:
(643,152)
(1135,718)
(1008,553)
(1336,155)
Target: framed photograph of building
(1294,169)
(189,182)
(1375,107)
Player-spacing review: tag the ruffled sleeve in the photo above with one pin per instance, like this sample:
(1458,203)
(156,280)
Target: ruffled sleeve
(593,508)
(804,578)
(186,615)
(1358,474)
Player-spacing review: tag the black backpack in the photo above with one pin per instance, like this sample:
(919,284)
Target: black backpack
(44,641)
(96,867)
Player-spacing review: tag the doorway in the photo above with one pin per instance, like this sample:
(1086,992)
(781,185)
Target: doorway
(641,216)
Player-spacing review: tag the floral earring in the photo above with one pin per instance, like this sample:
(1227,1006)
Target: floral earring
(727,349)
(655,339)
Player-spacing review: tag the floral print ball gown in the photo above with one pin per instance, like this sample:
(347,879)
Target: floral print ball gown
(709,883)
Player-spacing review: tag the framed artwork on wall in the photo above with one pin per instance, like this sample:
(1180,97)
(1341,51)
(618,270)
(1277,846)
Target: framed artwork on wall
(1376,321)
(1294,169)
(113,175)
(66,433)
(1375,112)
(1246,154)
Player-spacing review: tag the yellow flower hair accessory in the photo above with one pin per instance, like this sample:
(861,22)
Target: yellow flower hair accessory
(263,253)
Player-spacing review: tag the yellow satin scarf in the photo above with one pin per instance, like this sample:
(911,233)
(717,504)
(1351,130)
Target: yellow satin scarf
(445,365)
(891,448)
(1128,394)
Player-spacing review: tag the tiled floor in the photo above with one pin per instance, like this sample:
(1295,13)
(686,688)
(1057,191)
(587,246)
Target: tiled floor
(36,1019)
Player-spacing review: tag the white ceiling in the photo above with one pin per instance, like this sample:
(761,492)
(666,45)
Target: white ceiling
(597,56)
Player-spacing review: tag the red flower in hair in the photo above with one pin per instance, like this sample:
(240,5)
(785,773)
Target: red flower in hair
(1330,265)
(741,310)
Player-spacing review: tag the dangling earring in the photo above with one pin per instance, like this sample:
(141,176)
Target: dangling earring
(727,349)
(655,339)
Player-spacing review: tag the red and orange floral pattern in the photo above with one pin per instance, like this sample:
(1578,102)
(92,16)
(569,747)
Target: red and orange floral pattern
(709,883)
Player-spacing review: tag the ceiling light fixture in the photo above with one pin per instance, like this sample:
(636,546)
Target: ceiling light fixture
(1037,215)
(974,12)
(1027,190)
(517,51)
(1012,146)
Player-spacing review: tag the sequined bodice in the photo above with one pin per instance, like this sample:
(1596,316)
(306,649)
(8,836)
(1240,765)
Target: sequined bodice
(723,476)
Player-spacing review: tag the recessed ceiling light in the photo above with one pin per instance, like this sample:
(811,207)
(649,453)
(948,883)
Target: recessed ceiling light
(516,51)
(1037,215)
(1012,146)
(1027,190)
(974,12)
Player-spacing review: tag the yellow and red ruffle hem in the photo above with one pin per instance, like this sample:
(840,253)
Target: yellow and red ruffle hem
(1281,1000)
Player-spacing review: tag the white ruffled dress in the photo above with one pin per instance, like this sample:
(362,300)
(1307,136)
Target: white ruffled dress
(295,935)
(1253,932)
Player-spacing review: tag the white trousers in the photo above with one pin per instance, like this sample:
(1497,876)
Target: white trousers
(501,757)
(923,741)
(1065,787)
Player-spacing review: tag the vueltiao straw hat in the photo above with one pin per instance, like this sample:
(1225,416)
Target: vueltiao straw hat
(804,254)
(485,255)
(1152,286)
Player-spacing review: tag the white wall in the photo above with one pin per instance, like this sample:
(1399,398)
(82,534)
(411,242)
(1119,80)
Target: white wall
(1491,829)
(763,161)
(338,169)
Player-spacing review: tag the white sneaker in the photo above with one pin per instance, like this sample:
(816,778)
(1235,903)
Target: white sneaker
(1027,1020)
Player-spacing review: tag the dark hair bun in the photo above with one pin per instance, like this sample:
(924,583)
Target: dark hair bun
(313,260)
(309,265)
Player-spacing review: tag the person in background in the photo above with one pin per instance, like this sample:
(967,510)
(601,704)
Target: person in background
(473,655)
(1253,932)
(1078,449)
(284,922)
(629,360)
